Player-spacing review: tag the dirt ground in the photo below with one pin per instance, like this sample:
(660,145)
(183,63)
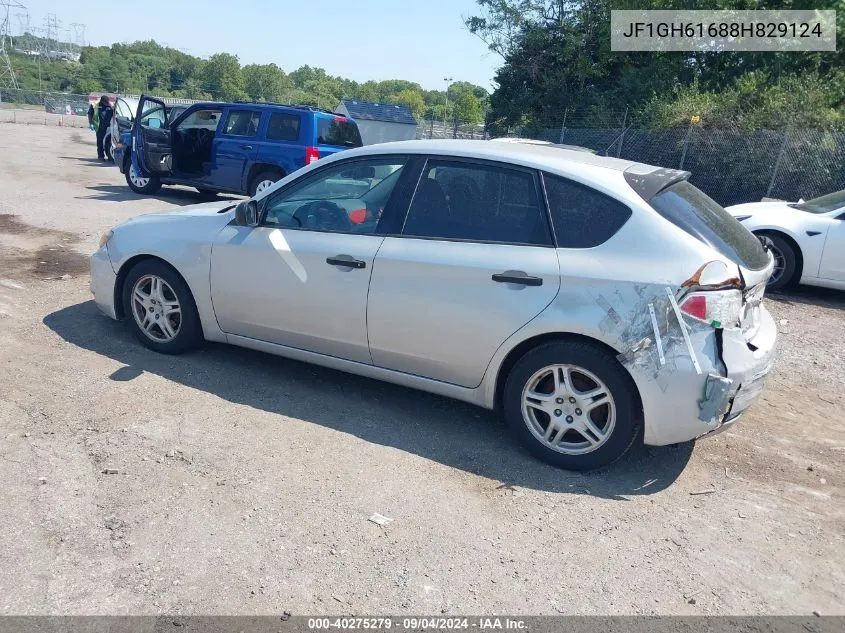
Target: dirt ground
(245,482)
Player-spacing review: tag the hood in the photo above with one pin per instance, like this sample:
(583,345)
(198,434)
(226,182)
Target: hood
(205,210)
(753,208)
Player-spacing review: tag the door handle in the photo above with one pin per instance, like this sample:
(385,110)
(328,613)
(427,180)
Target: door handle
(517,277)
(345,261)
(246,146)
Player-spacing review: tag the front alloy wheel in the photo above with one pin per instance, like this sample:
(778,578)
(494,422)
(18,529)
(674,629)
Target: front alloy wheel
(786,263)
(160,308)
(156,309)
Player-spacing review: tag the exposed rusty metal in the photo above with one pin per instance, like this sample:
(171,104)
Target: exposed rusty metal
(694,282)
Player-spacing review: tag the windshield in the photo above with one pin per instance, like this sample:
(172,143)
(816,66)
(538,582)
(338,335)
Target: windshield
(823,204)
(692,210)
(338,131)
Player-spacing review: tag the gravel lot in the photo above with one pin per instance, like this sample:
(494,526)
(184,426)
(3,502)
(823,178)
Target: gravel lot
(244,482)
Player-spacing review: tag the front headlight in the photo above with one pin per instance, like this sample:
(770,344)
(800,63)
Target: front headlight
(105,237)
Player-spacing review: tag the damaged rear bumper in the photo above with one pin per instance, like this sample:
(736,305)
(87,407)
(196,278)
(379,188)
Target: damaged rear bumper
(700,389)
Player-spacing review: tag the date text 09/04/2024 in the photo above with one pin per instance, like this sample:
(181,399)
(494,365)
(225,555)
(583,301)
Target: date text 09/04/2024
(417,623)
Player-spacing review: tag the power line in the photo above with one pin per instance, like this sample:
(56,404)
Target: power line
(7,73)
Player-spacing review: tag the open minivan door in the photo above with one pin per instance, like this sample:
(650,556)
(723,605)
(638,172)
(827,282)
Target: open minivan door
(151,150)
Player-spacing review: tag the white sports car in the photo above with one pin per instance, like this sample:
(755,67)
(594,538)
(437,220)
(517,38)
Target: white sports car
(807,238)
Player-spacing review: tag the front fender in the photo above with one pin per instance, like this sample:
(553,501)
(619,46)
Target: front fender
(811,247)
(191,259)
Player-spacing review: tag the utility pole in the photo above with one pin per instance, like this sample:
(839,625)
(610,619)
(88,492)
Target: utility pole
(448,81)
(7,73)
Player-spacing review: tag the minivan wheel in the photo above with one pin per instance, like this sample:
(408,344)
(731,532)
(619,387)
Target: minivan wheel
(572,405)
(786,262)
(160,308)
(262,181)
(139,183)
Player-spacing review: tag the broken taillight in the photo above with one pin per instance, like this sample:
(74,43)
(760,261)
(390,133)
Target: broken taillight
(311,154)
(719,308)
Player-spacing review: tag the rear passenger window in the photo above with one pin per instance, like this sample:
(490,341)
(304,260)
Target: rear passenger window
(242,123)
(283,127)
(477,202)
(582,216)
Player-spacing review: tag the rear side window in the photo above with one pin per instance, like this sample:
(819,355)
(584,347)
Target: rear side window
(338,131)
(692,210)
(242,123)
(478,203)
(283,127)
(582,217)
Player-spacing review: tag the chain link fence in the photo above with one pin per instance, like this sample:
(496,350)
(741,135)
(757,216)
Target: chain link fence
(731,165)
(430,128)
(34,107)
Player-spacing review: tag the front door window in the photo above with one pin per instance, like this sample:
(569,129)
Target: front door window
(346,198)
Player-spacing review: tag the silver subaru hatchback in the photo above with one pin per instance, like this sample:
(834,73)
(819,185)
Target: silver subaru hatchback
(594,302)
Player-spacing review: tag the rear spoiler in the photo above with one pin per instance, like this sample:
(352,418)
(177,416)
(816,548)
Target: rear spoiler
(649,183)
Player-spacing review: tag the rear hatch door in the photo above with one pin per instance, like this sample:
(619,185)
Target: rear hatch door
(671,194)
(335,133)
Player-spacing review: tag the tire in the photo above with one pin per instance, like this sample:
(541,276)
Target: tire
(185,332)
(786,263)
(262,178)
(592,367)
(145,186)
(206,194)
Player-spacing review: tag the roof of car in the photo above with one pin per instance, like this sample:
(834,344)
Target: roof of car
(389,112)
(524,153)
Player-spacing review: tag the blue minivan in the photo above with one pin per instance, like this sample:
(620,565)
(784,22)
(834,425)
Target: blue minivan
(240,148)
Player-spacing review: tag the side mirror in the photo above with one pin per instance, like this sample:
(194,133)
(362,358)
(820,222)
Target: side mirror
(246,213)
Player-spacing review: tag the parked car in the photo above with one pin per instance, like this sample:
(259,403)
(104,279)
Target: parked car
(119,136)
(807,238)
(238,148)
(583,297)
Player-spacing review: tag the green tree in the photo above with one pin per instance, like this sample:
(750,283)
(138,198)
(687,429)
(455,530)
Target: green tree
(266,82)
(413,100)
(222,77)
(467,109)
(556,57)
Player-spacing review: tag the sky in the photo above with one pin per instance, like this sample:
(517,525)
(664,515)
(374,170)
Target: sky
(423,41)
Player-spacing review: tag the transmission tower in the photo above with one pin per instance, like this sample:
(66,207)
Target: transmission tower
(7,74)
(51,34)
(78,36)
(23,31)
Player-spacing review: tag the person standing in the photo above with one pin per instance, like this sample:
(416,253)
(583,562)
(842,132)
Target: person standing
(100,120)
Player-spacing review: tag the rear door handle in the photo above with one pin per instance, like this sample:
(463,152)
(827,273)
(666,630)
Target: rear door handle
(517,277)
(246,146)
(345,261)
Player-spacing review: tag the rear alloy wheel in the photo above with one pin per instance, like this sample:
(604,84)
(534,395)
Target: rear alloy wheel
(139,183)
(786,262)
(263,181)
(160,307)
(572,405)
